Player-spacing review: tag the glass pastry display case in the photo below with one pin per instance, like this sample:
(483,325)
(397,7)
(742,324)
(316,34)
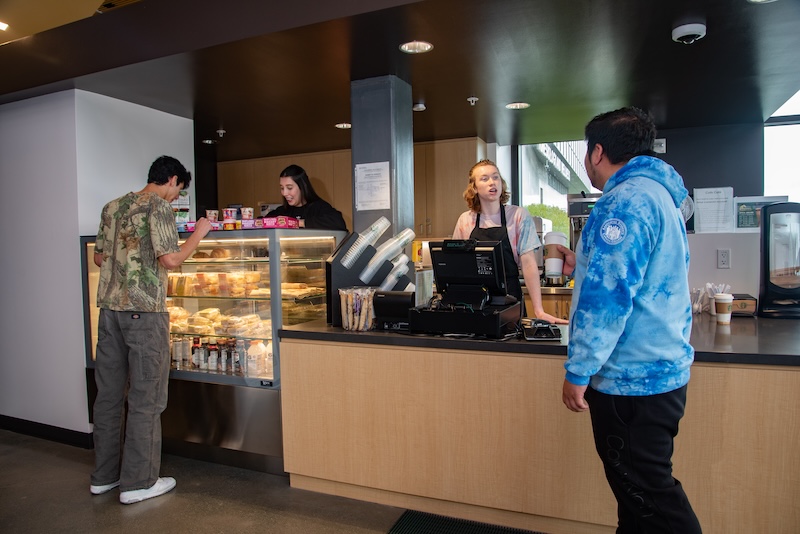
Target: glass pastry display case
(230,298)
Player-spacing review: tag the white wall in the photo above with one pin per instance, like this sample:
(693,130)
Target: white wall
(117,142)
(745,261)
(62,156)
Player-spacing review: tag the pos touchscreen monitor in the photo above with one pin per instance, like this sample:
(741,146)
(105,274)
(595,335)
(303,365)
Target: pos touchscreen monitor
(469,273)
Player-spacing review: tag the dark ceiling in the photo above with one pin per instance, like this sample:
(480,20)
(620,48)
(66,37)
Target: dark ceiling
(276,75)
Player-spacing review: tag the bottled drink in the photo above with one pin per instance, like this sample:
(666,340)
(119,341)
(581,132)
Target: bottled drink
(224,352)
(240,357)
(256,355)
(213,354)
(197,355)
(203,353)
(186,355)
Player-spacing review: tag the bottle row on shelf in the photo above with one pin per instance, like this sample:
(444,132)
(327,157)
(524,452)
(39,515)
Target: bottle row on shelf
(230,356)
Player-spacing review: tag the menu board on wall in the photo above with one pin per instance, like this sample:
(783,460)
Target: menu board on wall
(747,211)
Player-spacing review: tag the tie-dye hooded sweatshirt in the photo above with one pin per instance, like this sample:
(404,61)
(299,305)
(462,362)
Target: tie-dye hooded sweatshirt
(631,312)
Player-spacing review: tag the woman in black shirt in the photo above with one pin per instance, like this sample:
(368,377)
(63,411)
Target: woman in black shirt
(302,202)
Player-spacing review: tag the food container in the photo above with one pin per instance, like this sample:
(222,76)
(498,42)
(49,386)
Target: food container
(358,313)
(228,215)
(280,221)
(247,214)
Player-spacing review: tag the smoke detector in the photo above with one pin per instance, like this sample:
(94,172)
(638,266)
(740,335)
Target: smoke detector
(688,33)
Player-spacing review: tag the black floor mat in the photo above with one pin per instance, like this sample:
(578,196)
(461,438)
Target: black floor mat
(412,522)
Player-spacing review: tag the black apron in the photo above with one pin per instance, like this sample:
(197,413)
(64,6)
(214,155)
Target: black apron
(500,233)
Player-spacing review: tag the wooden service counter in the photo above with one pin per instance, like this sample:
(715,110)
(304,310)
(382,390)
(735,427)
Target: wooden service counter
(476,429)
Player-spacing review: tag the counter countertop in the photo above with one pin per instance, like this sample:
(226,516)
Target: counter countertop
(748,340)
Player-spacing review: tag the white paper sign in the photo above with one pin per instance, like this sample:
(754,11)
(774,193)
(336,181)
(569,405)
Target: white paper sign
(713,210)
(372,186)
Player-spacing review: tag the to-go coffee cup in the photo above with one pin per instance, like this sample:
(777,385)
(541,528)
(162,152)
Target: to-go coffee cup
(723,305)
(553,259)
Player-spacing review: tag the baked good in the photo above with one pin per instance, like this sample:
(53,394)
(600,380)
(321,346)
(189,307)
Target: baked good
(219,252)
(209,313)
(200,254)
(252,277)
(177,313)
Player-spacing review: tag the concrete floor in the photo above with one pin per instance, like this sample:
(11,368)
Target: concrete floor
(44,487)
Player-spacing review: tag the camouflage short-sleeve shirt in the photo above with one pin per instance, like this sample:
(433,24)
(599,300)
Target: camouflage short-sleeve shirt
(135,230)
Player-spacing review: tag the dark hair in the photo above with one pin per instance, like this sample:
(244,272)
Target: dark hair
(623,133)
(299,176)
(471,192)
(165,168)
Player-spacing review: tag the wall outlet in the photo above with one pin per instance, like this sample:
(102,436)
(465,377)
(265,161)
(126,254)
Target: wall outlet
(723,258)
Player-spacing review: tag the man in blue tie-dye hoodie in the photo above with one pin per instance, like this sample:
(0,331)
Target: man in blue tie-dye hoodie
(629,354)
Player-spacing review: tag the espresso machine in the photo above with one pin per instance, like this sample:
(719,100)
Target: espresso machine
(579,206)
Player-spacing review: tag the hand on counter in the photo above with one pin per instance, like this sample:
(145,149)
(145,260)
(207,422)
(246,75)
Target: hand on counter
(572,396)
(549,318)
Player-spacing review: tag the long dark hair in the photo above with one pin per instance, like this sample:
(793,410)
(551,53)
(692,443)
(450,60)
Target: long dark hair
(299,176)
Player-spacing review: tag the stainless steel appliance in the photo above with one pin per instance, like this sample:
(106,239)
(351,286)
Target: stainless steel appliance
(579,206)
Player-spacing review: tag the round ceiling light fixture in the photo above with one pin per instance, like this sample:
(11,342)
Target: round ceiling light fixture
(416,47)
(419,106)
(689,33)
(209,141)
(344,125)
(518,105)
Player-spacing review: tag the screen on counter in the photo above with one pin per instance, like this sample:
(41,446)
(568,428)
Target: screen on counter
(466,265)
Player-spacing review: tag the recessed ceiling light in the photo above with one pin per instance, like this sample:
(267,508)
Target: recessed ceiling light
(209,141)
(416,47)
(3,26)
(419,107)
(518,105)
(761,1)
(344,125)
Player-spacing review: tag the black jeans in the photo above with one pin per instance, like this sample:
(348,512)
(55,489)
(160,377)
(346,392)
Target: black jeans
(634,438)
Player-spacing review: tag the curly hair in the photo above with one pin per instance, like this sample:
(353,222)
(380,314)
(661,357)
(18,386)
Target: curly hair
(471,192)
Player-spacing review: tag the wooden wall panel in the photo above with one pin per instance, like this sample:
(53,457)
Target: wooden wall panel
(235,183)
(440,176)
(489,430)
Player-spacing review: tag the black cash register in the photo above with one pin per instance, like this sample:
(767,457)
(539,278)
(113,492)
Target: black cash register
(472,296)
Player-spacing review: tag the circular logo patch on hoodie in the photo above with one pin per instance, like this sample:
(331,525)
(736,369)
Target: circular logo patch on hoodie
(613,231)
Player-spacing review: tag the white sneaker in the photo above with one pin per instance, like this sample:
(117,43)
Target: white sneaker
(99,490)
(162,486)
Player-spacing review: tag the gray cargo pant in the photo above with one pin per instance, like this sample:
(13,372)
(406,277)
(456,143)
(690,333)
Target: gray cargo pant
(132,359)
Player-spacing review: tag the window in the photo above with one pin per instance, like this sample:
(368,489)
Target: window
(781,143)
